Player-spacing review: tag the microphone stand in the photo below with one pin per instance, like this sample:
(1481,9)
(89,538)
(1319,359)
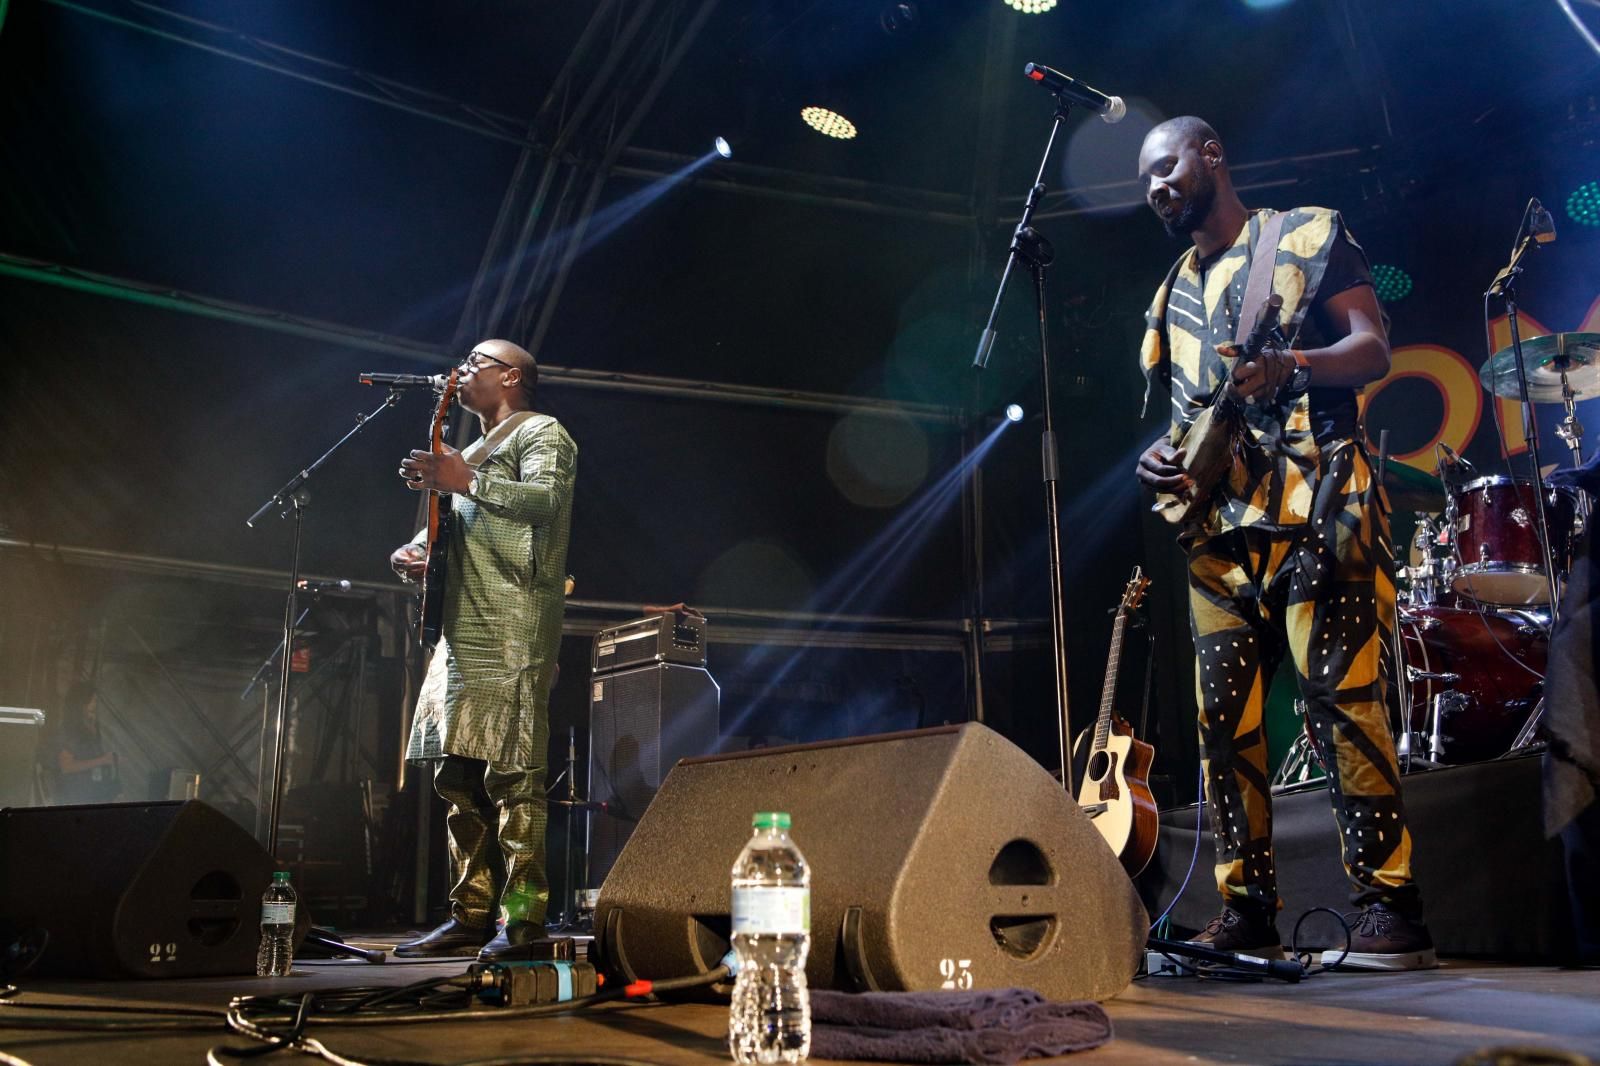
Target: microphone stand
(292,498)
(1028,245)
(1505,286)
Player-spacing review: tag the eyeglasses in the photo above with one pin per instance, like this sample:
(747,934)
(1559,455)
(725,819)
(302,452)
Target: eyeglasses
(476,361)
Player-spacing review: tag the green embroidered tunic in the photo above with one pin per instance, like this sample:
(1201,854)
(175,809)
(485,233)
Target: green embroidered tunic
(504,597)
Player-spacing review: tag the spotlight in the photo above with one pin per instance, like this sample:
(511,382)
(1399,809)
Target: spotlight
(724,149)
(1391,283)
(828,123)
(900,17)
(1031,7)
(1014,412)
(1583,206)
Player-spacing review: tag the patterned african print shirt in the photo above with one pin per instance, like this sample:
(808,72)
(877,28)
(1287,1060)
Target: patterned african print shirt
(1273,479)
(504,598)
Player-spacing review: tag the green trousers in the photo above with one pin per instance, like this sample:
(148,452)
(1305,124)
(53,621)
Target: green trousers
(496,828)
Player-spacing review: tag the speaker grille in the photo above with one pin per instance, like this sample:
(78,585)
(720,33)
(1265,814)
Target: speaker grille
(641,722)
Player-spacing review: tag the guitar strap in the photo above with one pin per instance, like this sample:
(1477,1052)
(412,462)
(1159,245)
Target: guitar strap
(1258,286)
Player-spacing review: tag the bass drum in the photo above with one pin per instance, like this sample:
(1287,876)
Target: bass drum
(1484,671)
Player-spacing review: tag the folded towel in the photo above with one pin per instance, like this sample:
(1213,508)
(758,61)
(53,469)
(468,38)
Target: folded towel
(976,1009)
(1069,1027)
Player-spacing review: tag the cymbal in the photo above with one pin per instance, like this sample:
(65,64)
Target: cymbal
(1545,358)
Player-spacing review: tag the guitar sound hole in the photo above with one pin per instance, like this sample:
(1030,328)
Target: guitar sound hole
(1099,763)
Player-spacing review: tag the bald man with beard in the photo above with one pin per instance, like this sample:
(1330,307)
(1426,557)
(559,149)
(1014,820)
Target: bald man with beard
(1290,553)
(482,718)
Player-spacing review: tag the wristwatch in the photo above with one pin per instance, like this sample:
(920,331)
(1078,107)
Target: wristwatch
(1300,380)
(472,486)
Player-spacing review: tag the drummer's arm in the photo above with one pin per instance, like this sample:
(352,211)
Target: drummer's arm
(1361,354)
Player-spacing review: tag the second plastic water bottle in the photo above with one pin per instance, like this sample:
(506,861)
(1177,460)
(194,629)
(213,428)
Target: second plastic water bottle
(275,956)
(770,1019)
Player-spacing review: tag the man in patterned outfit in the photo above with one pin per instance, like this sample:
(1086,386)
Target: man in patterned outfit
(482,717)
(1292,552)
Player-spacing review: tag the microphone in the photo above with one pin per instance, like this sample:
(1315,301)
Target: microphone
(1110,108)
(342,585)
(405,381)
(1543,229)
(1451,458)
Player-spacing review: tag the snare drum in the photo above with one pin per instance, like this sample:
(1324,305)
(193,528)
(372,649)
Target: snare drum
(1496,538)
(1485,670)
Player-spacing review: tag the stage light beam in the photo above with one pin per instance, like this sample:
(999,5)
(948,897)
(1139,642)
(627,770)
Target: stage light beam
(724,149)
(1031,7)
(1014,412)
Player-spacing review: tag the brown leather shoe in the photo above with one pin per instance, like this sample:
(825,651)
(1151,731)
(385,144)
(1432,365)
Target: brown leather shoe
(453,939)
(1249,931)
(1384,939)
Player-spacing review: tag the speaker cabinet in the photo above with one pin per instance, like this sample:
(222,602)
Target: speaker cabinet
(141,889)
(941,858)
(641,722)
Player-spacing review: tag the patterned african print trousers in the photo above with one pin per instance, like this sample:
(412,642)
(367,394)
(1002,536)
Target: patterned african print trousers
(496,828)
(1324,593)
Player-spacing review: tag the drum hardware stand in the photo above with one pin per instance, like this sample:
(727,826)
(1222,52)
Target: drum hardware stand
(1030,245)
(1570,430)
(571,919)
(289,500)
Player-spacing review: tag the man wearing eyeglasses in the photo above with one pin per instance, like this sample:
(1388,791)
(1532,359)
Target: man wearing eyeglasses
(482,718)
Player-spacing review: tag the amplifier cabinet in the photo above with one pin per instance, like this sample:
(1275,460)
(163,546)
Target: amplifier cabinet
(658,638)
(641,722)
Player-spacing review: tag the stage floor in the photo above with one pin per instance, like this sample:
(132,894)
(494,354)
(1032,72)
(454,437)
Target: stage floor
(1351,1019)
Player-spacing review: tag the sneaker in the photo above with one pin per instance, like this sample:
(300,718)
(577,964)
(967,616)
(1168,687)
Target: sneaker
(1383,939)
(1248,932)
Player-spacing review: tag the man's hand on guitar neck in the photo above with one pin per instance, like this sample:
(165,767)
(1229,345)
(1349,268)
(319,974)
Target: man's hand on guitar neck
(445,472)
(1258,380)
(410,561)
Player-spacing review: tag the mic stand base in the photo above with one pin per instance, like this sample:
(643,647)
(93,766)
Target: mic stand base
(329,942)
(1278,969)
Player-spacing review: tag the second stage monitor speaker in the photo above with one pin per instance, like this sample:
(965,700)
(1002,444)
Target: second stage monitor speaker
(942,858)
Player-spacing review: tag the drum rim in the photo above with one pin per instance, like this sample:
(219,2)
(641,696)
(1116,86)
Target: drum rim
(1476,569)
(1492,480)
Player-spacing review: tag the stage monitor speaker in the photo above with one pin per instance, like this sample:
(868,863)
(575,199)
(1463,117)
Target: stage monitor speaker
(141,889)
(641,722)
(941,858)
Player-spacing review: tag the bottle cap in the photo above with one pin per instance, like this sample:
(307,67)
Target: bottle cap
(770,820)
(280,875)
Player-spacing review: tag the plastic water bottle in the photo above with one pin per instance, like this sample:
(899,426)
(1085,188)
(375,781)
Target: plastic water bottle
(275,956)
(770,1020)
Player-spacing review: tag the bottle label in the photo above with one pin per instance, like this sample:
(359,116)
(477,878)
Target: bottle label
(764,909)
(277,913)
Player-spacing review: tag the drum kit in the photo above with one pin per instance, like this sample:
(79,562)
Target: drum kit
(1479,588)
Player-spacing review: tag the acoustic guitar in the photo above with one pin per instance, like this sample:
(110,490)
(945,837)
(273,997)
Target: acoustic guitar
(1114,779)
(439,514)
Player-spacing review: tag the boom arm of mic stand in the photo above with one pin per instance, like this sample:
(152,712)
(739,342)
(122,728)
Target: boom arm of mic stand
(987,338)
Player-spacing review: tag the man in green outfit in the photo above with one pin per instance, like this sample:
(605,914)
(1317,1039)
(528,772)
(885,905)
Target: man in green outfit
(482,718)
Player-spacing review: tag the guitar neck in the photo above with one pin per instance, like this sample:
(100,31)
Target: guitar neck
(1102,725)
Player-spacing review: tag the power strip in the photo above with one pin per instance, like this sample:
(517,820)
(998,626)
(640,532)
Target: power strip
(1159,965)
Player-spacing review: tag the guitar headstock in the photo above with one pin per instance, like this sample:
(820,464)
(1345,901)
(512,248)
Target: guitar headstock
(1133,594)
(451,385)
